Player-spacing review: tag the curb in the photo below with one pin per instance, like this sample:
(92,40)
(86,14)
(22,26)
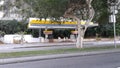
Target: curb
(47,45)
(57,56)
(17,46)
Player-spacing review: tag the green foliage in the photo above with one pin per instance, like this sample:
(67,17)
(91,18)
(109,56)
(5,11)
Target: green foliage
(21,32)
(62,33)
(11,27)
(106,30)
(2,33)
(48,8)
(101,12)
(118,29)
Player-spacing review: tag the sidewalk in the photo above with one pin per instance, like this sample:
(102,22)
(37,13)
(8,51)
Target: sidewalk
(25,45)
(9,46)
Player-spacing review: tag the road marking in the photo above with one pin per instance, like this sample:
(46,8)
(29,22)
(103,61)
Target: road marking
(118,67)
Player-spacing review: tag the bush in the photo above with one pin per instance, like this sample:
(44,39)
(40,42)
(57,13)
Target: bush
(2,33)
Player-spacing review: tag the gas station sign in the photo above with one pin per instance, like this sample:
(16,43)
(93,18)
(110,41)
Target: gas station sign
(42,23)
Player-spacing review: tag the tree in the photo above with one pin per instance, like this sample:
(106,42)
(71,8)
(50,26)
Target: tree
(2,34)
(12,26)
(80,10)
(48,8)
(101,11)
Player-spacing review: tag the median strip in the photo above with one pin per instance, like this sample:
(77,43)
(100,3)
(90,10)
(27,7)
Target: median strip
(52,52)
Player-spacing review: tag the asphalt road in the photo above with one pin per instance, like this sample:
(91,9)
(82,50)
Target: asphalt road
(92,61)
(41,46)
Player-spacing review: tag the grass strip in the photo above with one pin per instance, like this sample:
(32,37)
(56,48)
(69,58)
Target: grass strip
(54,51)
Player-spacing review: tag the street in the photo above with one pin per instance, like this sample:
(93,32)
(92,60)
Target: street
(50,46)
(92,61)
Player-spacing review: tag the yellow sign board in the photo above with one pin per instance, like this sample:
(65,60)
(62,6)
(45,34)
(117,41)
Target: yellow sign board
(47,32)
(51,22)
(38,21)
(42,23)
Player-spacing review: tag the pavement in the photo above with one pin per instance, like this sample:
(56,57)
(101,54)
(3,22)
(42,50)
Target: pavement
(30,45)
(8,47)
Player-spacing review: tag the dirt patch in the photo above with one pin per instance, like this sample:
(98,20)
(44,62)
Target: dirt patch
(1,42)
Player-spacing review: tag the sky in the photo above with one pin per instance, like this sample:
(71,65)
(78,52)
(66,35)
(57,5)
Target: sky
(1,13)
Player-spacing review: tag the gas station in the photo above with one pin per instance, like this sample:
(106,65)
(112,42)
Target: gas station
(46,24)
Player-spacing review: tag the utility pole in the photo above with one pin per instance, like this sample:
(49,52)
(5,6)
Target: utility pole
(113,7)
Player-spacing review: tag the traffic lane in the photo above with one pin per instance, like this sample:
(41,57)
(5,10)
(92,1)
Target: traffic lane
(92,61)
(34,48)
(51,47)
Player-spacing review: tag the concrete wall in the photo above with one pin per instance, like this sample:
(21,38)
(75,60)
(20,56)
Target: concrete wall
(27,38)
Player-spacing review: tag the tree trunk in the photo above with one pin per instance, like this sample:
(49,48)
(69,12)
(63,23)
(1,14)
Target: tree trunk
(70,14)
(79,43)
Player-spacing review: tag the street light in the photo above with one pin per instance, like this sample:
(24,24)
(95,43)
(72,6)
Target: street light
(113,6)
